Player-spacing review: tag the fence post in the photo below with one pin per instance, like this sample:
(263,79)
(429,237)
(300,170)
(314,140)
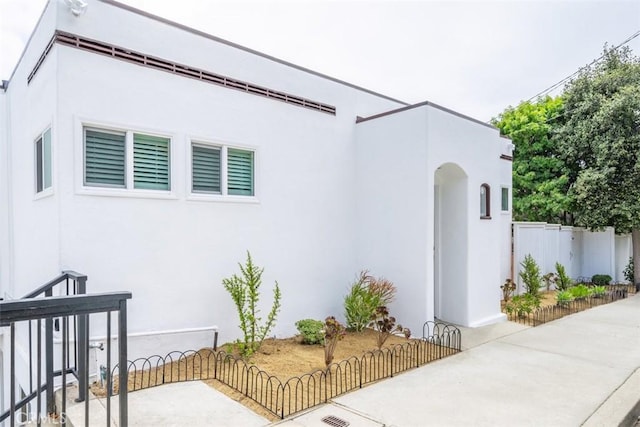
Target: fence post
(391,354)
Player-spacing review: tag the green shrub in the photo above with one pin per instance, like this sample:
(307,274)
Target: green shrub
(599,291)
(360,304)
(580,291)
(245,292)
(530,275)
(311,331)
(365,296)
(628,271)
(522,305)
(563,298)
(601,279)
(563,282)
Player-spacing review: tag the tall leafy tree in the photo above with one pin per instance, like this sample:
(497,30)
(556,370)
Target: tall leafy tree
(540,176)
(600,137)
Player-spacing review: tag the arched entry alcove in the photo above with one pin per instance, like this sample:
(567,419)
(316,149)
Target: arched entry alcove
(450,244)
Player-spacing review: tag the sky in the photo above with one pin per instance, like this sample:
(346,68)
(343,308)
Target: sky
(475,57)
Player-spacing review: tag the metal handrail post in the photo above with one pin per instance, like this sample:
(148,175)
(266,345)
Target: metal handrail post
(122,363)
(83,344)
(48,368)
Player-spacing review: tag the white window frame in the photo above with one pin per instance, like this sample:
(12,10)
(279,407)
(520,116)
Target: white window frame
(502,210)
(40,175)
(84,158)
(223,196)
(129,190)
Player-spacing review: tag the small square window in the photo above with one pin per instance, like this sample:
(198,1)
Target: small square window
(505,199)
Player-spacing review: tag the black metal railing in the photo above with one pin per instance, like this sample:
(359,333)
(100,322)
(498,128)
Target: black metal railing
(284,398)
(64,309)
(546,314)
(68,283)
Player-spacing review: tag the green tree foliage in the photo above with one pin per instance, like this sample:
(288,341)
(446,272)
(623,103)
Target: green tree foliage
(540,178)
(600,136)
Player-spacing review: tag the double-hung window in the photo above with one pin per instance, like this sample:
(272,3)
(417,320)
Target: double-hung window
(43,161)
(206,169)
(104,158)
(150,162)
(239,172)
(222,170)
(125,159)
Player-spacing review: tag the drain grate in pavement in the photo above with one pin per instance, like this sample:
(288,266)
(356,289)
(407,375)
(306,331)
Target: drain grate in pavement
(335,421)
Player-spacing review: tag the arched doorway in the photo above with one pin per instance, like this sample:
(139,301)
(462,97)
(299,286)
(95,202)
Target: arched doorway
(450,244)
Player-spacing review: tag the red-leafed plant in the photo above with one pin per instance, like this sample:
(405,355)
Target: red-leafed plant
(385,325)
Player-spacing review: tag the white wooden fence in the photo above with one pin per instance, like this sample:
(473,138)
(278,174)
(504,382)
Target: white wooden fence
(582,252)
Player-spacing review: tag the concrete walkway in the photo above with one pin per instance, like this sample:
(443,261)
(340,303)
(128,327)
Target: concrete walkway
(579,370)
(178,404)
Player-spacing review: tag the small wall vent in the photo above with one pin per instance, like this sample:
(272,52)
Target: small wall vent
(145,60)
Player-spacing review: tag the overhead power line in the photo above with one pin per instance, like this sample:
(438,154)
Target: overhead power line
(561,82)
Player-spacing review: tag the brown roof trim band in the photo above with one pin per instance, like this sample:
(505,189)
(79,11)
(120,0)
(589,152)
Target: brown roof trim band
(44,55)
(422,104)
(123,54)
(505,157)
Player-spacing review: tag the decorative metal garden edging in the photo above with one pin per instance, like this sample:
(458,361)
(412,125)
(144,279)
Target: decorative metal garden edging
(297,393)
(553,312)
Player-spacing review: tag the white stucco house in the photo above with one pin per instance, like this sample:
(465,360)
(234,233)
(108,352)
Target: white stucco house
(151,157)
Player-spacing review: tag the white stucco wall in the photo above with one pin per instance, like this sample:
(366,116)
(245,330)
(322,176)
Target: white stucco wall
(473,146)
(332,197)
(31,259)
(4,243)
(5,229)
(172,249)
(398,158)
(506,216)
(393,214)
(29,255)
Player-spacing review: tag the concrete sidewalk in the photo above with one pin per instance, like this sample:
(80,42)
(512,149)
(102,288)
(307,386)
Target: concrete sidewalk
(582,369)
